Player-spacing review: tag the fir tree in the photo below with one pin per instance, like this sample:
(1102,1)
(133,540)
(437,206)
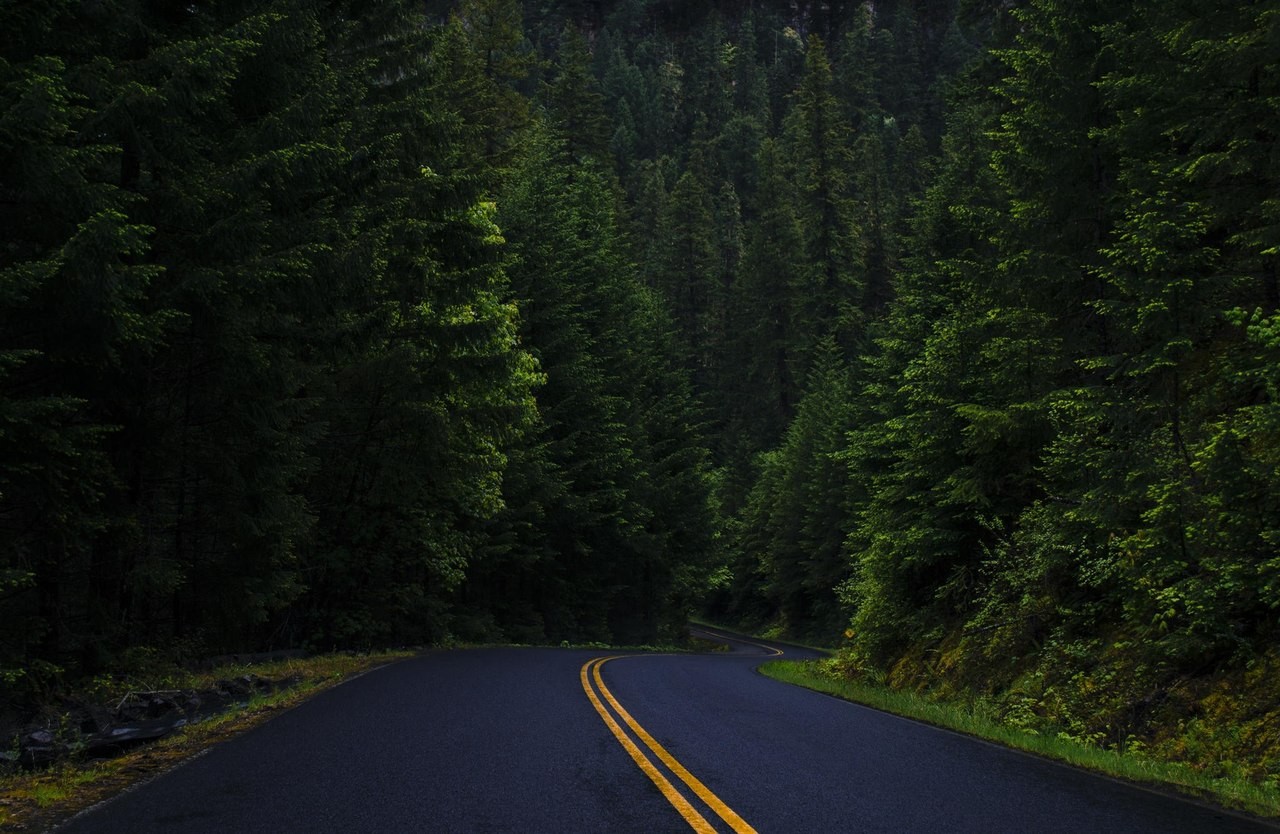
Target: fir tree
(829,278)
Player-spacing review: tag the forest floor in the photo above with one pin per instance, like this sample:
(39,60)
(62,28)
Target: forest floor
(241,695)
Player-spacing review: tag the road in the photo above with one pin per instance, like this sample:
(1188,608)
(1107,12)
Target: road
(562,740)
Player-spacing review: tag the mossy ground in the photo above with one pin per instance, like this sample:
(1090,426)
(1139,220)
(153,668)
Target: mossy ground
(1216,741)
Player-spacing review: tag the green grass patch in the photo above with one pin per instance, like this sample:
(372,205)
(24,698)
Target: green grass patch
(1241,794)
(63,785)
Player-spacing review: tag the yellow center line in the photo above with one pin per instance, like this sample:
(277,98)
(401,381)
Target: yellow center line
(696,820)
(704,793)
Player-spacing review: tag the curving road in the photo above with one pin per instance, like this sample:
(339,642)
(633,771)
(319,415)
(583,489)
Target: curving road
(560,740)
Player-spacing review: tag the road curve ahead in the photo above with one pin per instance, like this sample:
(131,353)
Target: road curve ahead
(563,740)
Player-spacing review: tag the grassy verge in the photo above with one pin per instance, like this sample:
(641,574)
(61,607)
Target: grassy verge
(37,801)
(1239,794)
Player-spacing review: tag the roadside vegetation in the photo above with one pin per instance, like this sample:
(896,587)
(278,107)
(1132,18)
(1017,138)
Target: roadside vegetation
(1221,781)
(35,800)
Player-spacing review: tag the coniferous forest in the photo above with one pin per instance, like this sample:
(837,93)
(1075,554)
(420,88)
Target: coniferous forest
(944,332)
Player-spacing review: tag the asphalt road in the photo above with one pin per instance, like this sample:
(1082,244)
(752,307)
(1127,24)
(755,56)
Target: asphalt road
(529,740)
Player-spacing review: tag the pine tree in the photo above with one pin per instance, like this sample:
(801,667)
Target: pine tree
(574,100)
(930,494)
(615,441)
(432,388)
(494,32)
(74,275)
(829,277)
(687,273)
(762,389)
(796,513)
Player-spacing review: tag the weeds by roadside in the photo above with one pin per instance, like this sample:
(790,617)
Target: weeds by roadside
(36,800)
(1231,792)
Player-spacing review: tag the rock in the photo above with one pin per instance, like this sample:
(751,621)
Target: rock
(235,687)
(40,748)
(190,704)
(244,686)
(8,762)
(131,709)
(137,718)
(38,738)
(86,715)
(256,682)
(213,702)
(126,735)
(159,705)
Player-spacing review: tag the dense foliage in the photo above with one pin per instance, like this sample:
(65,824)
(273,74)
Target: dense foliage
(947,331)
(270,364)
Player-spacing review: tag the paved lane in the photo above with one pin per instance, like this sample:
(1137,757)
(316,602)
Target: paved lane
(507,740)
(790,760)
(487,740)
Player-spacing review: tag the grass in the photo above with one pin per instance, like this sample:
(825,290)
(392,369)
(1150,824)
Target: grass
(1234,793)
(37,801)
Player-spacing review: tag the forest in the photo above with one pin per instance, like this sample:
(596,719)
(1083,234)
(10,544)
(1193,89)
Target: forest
(945,333)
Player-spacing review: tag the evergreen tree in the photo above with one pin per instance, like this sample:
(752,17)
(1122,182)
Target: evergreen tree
(750,82)
(432,388)
(931,496)
(829,279)
(795,515)
(574,100)
(856,71)
(688,271)
(493,31)
(615,438)
(763,321)
(903,90)
(74,275)
(878,218)
(1176,279)
(198,361)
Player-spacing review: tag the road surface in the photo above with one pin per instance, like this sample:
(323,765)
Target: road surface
(566,740)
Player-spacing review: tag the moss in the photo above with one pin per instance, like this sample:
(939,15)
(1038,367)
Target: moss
(1110,690)
(1230,787)
(1226,723)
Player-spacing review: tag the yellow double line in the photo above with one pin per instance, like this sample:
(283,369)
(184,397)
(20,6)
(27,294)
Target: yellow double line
(593,683)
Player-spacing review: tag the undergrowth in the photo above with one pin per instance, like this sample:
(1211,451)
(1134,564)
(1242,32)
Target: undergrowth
(977,717)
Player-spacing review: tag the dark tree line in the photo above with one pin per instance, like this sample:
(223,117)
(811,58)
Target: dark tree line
(980,300)
(273,373)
